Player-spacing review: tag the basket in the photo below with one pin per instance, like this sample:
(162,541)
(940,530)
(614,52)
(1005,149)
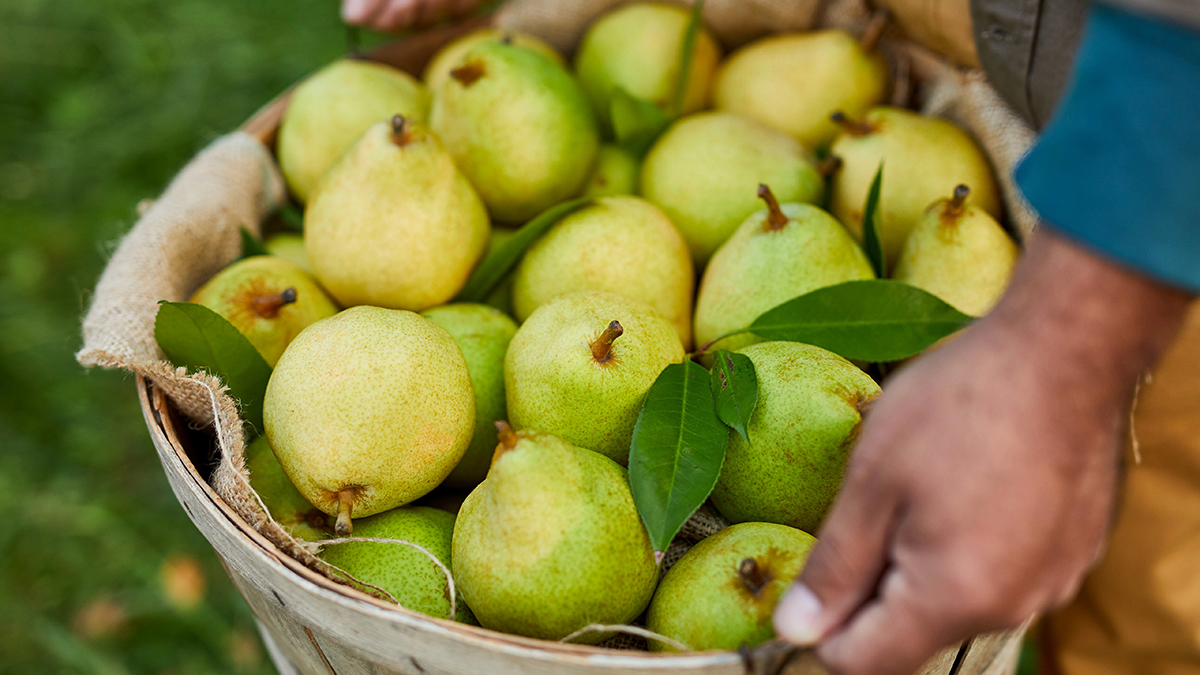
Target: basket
(315,626)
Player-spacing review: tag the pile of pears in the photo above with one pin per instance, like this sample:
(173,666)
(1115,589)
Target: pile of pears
(497,436)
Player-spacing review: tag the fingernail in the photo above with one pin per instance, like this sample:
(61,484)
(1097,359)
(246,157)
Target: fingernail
(798,616)
(355,10)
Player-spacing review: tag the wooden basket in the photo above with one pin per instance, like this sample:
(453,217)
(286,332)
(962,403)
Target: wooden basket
(315,626)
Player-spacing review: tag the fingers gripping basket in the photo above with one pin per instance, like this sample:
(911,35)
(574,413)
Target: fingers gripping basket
(313,622)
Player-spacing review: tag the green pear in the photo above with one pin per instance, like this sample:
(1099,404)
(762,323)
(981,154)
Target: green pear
(959,252)
(705,169)
(407,574)
(284,502)
(483,334)
(394,224)
(794,82)
(330,110)
(924,158)
(519,127)
(501,296)
(778,254)
(268,299)
(637,48)
(807,418)
(623,245)
(615,173)
(551,542)
(368,410)
(290,247)
(722,592)
(580,367)
(451,56)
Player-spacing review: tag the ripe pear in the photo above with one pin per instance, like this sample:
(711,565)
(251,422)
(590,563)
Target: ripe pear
(290,247)
(637,48)
(705,169)
(623,245)
(330,110)
(778,254)
(519,127)
(404,572)
(394,224)
(722,592)
(794,82)
(501,295)
(959,252)
(284,502)
(551,541)
(268,299)
(807,418)
(368,410)
(483,334)
(451,56)
(580,367)
(615,173)
(924,158)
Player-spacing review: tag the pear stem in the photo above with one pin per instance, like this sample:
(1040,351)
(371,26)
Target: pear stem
(506,39)
(268,306)
(954,207)
(829,166)
(752,576)
(343,527)
(470,73)
(508,437)
(602,347)
(852,127)
(401,131)
(879,23)
(776,218)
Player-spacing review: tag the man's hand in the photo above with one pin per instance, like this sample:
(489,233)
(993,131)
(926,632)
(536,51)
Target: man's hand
(982,485)
(389,15)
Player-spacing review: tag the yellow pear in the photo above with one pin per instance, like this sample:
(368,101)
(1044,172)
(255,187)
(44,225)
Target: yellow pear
(615,173)
(450,56)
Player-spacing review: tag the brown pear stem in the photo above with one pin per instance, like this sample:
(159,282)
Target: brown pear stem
(508,437)
(752,575)
(879,23)
(852,127)
(954,207)
(602,347)
(469,73)
(401,131)
(343,527)
(776,219)
(829,166)
(268,306)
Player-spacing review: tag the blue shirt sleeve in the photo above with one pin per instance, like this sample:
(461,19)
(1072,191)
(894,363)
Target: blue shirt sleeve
(1118,168)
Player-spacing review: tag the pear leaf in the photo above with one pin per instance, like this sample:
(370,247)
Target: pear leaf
(197,338)
(686,52)
(735,390)
(501,259)
(873,227)
(292,217)
(251,246)
(876,320)
(637,123)
(677,451)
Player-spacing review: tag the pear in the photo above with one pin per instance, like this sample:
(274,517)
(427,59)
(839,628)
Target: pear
(794,82)
(615,173)
(959,252)
(451,56)
(580,367)
(290,247)
(501,295)
(551,541)
(268,299)
(722,592)
(807,418)
(623,245)
(483,334)
(404,572)
(368,410)
(330,110)
(705,169)
(637,48)
(394,224)
(778,254)
(285,504)
(924,158)
(519,127)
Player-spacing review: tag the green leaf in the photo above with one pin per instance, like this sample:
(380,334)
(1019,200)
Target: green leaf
(677,451)
(501,259)
(292,217)
(251,246)
(735,389)
(873,228)
(875,320)
(195,337)
(637,123)
(686,52)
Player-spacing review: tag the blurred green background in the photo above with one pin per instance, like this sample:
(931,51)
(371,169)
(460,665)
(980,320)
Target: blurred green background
(100,103)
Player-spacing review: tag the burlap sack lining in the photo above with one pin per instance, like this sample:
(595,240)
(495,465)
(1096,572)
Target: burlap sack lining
(192,231)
